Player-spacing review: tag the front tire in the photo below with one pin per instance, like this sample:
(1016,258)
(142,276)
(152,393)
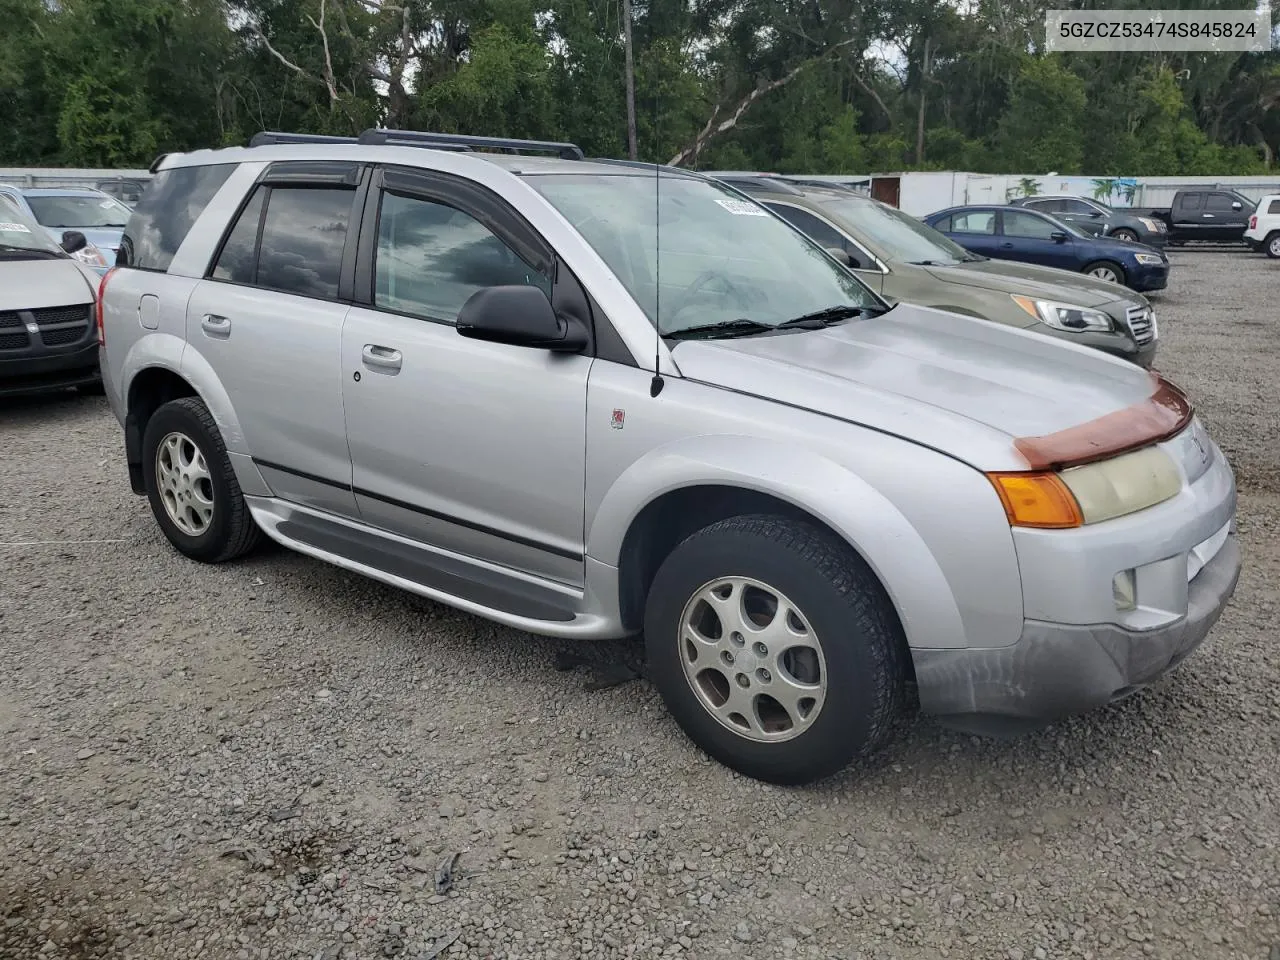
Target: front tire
(1124,233)
(1105,270)
(191,485)
(775,648)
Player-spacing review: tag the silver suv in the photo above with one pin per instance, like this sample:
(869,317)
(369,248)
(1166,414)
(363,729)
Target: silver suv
(439,367)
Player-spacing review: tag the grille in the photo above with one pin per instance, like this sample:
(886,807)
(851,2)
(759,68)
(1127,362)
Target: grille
(1141,324)
(56,338)
(58,315)
(11,320)
(13,341)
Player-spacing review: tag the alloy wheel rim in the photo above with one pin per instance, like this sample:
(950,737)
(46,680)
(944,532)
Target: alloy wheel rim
(1104,273)
(752,659)
(185,484)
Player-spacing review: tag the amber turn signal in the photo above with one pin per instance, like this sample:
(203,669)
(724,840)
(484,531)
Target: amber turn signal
(1037,500)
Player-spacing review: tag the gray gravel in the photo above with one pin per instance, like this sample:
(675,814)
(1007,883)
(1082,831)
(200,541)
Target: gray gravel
(274,758)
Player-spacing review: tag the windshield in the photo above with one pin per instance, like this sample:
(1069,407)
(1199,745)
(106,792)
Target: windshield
(18,232)
(79,212)
(902,238)
(722,258)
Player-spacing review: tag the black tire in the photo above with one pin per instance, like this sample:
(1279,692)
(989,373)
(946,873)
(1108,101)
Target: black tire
(232,531)
(1110,265)
(1124,233)
(1271,245)
(850,613)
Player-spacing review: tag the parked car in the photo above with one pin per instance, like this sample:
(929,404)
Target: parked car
(47,335)
(91,212)
(903,259)
(1263,233)
(1098,219)
(1211,216)
(1014,233)
(460,374)
(125,189)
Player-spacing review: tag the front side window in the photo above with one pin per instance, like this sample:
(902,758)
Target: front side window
(77,213)
(1028,226)
(169,207)
(432,257)
(1220,203)
(692,253)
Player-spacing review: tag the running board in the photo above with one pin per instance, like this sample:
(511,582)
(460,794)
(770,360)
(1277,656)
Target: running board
(487,590)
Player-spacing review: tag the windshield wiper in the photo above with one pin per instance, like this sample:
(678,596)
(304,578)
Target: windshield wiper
(821,318)
(34,251)
(739,327)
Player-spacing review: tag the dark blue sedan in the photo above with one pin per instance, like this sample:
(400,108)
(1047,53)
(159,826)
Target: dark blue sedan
(1015,233)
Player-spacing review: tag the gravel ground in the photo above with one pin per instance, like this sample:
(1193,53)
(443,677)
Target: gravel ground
(274,758)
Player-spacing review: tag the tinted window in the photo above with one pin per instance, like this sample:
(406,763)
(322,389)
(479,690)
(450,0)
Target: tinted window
(1273,207)
(1077,206)
(1025,225)
(239,257)
(817,230)
(942,225)
(980,221)
(302,239)
(1050,206)
(1220,203)
(431,258)
(1191,201)
(163,217)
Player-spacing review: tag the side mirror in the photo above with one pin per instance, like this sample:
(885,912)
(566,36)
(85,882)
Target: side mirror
(519,315)
(1236,205)
(1058,236)
(73,241)
(1095,214)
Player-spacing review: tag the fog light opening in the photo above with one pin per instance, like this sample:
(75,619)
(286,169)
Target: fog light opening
(1124,591)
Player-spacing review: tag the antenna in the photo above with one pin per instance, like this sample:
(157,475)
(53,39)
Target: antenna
(657,383)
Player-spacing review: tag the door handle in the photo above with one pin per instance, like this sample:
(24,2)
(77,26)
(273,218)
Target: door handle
(1207,216)
(216,326)
(1006,246)
(383,359)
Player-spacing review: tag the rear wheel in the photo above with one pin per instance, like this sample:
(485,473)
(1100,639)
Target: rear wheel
(191,485)
(1105,270)
(1272,245)
(1124,233)
(775,648)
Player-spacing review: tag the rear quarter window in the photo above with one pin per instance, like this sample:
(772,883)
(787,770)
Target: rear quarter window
(1273,207)
(169,206)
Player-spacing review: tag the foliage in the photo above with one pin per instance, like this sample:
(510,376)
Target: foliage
(824,86)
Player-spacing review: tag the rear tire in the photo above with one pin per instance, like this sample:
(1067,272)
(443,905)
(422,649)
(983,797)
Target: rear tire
(191,485)
(1105,270)
(842,651)
(1271,245)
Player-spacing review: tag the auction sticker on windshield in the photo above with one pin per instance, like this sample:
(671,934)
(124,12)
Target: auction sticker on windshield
(741,207)
(14,227)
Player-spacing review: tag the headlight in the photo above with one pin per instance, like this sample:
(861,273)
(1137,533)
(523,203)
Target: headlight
(1151,258)
(1089,494)
(1065,316)
(1152,225)
(91,255)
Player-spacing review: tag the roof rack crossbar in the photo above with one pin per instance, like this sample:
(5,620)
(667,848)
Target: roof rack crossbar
(268,137)
(457,141)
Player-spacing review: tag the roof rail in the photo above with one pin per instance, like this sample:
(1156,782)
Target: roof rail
(641,165)
(268,137)
(457,141)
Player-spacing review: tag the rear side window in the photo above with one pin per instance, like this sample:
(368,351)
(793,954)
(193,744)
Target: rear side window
(289,239)
(980,221)
(169,206)
(807,223)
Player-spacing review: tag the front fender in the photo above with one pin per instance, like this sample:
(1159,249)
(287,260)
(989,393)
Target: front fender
(832,493)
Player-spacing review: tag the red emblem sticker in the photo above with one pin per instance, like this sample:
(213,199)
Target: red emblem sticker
(618,419)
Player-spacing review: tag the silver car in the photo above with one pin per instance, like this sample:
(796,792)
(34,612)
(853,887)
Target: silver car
(589,399)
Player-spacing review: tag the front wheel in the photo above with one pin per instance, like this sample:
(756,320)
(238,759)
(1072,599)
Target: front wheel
(1105,270)
(1124,233)
(191,485)
(1272,245)
(775,648)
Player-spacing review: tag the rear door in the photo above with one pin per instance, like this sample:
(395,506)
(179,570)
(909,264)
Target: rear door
(1188,215)
(268,318)
(1028,237)
(974,230)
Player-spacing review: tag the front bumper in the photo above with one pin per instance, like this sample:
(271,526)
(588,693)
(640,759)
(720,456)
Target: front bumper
(1142,277)
(42,369)
(1056,670)
(1078,648)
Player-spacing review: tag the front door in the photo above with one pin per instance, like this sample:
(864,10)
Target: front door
(1029,237)
(1225,217)
(268,319)
(474,447)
